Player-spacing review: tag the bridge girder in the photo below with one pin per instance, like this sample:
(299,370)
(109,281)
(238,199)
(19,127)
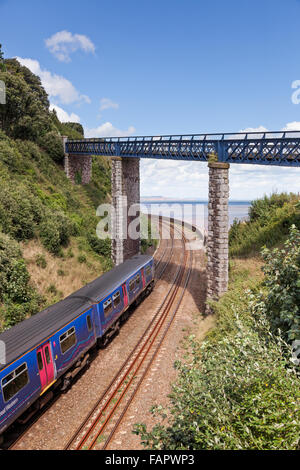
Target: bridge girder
(272,148)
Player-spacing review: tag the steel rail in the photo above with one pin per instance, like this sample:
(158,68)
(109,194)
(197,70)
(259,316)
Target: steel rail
(119,372)
(108,440)
(156,332)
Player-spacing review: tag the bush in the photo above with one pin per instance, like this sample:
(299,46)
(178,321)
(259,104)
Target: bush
(81,259)
(52,144)
(280,300)
(238,390)
(41,261)
(55,231)
(270,220)
(101,247)
(17,297)
(20,212)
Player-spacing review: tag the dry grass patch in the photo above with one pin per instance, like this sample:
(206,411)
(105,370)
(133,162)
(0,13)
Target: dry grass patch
(58,277)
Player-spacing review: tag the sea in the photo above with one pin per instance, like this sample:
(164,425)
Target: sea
(195,212)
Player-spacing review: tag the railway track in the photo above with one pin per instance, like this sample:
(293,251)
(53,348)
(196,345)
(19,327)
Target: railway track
(133,373)
(101,424)
(16,435)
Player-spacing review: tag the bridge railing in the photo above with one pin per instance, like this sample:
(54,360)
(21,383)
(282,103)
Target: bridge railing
(267,148)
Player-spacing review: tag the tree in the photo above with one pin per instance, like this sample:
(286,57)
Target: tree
(25,114)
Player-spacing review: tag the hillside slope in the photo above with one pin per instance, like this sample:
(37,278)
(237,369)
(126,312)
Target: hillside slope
(48,243)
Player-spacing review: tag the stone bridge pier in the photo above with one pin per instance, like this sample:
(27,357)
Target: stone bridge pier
(218,226)
(125,179)
(78,168)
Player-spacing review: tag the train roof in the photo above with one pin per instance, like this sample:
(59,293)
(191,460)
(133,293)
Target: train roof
(27,334)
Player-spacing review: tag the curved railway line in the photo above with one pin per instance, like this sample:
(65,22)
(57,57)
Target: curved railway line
(101,424)
(103,421)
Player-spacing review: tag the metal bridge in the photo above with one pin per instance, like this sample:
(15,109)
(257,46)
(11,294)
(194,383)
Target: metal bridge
(265,148)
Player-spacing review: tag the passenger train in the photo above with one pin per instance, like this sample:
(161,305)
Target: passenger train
(46,351)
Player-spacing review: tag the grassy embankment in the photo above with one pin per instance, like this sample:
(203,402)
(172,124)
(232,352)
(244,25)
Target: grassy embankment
(239,389)
(48,243)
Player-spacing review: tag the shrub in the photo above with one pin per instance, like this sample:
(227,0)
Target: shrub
(17,297)
(52,144)
(81,259)
(237,390)
(20,212)
(280,300)
(269,225)
(55,231)
(101,247)
(41,261)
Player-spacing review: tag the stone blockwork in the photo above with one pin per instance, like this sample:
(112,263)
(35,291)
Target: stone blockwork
(78,168)
(218,223)
(126,200)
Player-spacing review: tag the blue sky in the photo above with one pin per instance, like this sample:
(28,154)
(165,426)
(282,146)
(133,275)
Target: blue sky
(169,66)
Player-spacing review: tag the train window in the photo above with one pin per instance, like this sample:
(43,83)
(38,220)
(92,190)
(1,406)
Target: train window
(117,299)
(138,280)
(40,361)
(14,382)
(132,284)
(67,340)
(107,307)
(47,354)
(89,322)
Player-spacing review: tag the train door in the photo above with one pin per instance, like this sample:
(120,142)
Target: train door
(45,365)
(125,295)
(143,278)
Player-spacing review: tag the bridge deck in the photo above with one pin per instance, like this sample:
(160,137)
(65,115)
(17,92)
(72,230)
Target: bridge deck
(265,148)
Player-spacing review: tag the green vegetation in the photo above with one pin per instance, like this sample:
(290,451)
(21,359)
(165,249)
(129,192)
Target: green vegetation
(149,234)
(239,389)
(40,210)
(269,221)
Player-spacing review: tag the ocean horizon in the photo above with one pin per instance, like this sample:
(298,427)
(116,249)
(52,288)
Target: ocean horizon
(193,211)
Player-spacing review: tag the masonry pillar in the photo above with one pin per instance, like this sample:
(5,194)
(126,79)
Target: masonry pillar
(78,168)
(218,225)
(125,179)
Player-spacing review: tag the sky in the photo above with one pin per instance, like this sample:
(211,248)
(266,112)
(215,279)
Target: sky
(157,67)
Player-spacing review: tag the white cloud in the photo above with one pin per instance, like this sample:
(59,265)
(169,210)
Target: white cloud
(55,85)
(63,116)
(190,179)
(108,130)
(64,43)
(106,103)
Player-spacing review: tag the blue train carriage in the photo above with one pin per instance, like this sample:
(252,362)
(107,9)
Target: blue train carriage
(39,351)
(117,290)
(47,350)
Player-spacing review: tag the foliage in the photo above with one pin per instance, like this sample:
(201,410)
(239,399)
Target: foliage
(37,201)
(101,247)
(41,261)
(17,295)
(25,114)
(20,212)
(270,220)
(55,231)
(52,144)
(238,390)
(280,299)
